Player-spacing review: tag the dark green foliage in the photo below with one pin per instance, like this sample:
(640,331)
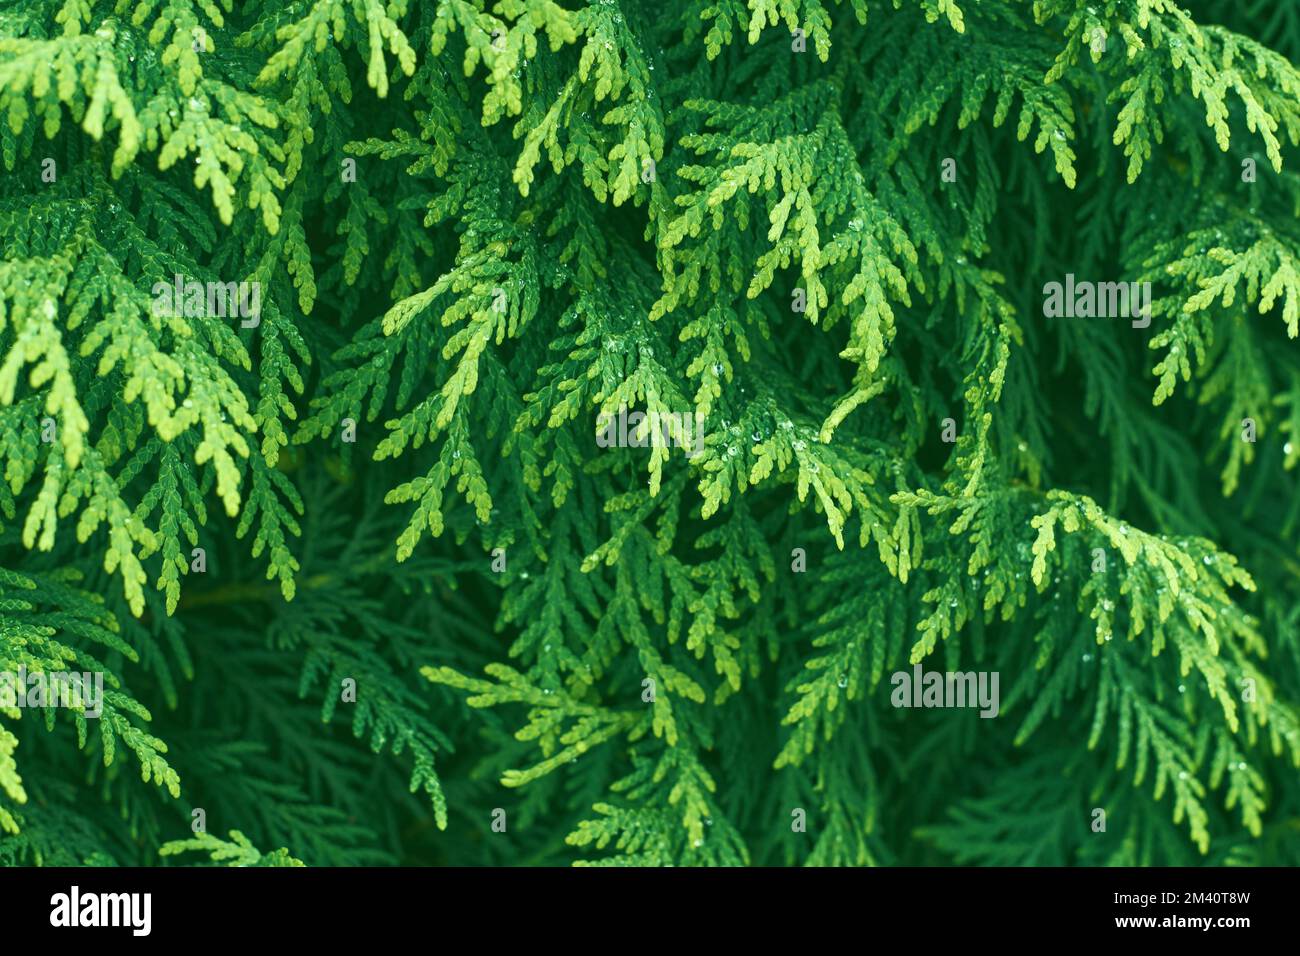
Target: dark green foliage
(478,226)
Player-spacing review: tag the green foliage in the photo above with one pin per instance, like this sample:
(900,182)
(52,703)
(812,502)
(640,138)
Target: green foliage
(225,853)
(368,571)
